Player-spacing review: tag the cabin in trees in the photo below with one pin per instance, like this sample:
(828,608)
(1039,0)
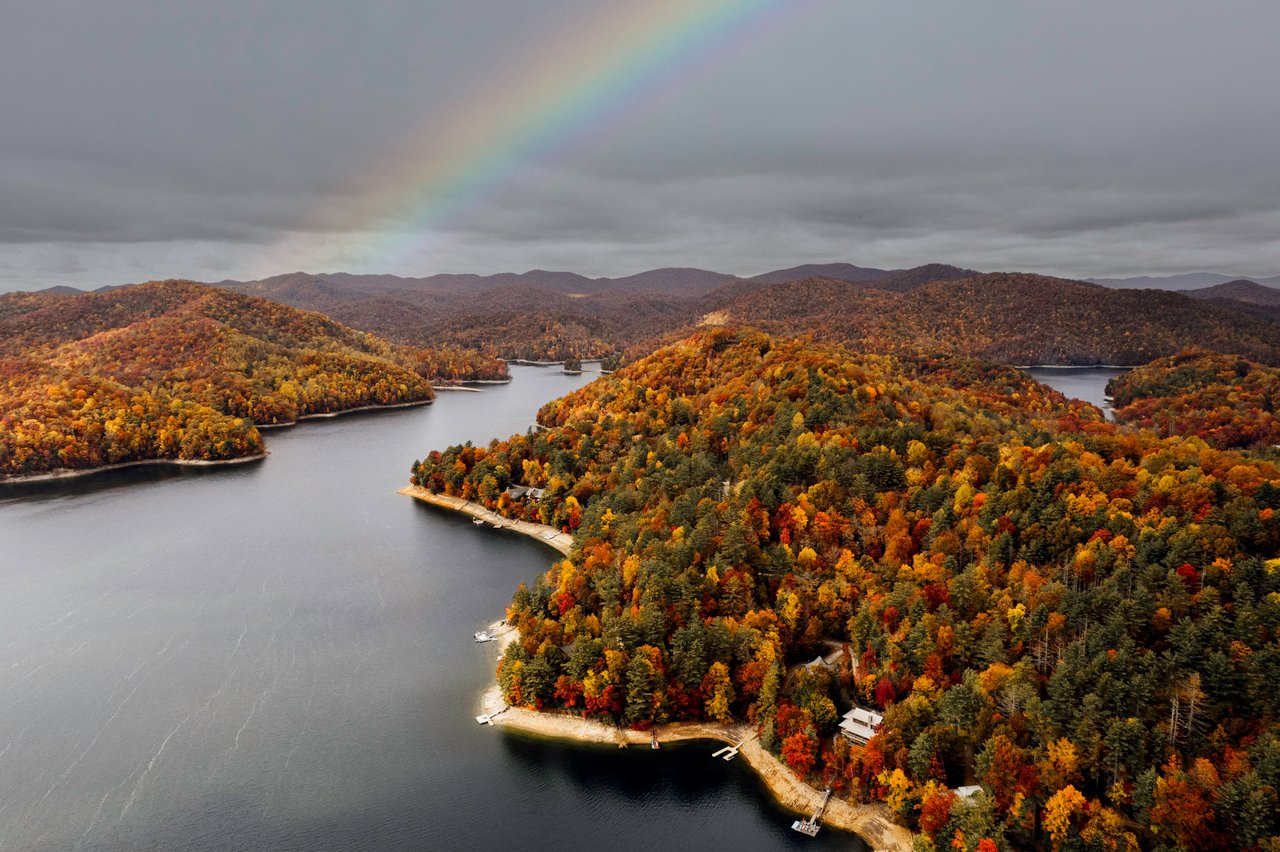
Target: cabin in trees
(860,725)
(523,492)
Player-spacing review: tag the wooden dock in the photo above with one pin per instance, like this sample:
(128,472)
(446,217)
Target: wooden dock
(811,825)
(487,718)
(729,752)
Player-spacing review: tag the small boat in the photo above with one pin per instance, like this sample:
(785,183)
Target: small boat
(653,742)
(483,636)
(478,521)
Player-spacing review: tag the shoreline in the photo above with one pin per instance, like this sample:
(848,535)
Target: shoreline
(465,384)
(1075,366)
(325,415)
(550,536)
(68,473)
(524,362)
(871,822)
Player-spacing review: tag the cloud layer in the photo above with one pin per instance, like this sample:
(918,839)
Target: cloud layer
(1087,139)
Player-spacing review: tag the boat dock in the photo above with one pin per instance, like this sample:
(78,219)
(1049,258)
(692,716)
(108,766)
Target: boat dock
(487,718)
(811,825)
(729,752)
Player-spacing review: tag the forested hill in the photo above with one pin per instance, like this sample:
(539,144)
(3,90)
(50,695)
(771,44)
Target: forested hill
(1009,317)
(1012,318)
(175,370)
(1226,400)
(1080,618)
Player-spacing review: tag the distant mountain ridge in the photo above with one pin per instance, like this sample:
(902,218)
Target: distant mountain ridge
(1184,281)
(838,271)
(686,281)
(1015,318)
(681,280)
(1241,290)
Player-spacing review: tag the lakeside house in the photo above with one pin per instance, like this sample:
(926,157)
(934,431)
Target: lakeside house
(523,492)
(859,725)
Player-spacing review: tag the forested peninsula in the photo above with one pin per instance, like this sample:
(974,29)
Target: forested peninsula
(1078,617)
(178,371)
(1226,400)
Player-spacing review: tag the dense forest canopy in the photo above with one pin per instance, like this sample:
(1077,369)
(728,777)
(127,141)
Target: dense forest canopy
(175,370)
(1013,318)
(1226,400)
(1080,617)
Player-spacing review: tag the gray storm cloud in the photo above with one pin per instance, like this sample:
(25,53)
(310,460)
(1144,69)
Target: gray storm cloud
(156,139)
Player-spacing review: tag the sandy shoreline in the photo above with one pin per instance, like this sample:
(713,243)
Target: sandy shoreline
(59,475)
(873,822)
(550,536)
(325,415)
(870,822)
(1075,366)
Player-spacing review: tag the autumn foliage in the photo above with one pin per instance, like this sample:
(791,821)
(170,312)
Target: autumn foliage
(991,566)
(1226,400)
(174,370)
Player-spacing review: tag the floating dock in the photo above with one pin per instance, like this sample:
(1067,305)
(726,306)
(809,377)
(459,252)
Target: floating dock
(811,825)
(487,718)
(729,752)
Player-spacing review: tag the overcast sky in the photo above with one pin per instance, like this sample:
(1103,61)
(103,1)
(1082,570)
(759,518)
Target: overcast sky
(233,139)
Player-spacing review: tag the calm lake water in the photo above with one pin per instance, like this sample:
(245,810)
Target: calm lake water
(279,657)
(1086,383)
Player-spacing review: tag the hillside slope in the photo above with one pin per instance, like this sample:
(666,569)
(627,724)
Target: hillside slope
(176,370)
(1241,290)
(1078,617)
(1009,317)
(1226,400)
(1013,318)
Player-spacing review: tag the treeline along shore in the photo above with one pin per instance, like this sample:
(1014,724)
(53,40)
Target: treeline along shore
(872,822)
(1007,603)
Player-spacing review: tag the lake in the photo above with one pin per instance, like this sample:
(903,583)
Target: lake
(278,656)
(1084,383)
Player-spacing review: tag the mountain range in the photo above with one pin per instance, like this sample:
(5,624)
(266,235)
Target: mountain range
(1010,317)
(1184,281)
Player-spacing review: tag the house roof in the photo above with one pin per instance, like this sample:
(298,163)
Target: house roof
(861,723)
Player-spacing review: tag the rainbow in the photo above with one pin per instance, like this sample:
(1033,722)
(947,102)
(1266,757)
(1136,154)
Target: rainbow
(603,68)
